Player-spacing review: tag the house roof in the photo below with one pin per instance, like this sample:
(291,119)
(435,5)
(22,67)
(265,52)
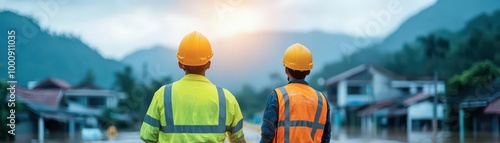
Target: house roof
(396,105)
(53,83)
(86,86)
(49,97)
(493,108)
(398,112)
(374,107)
(360,69)
(57,113)
(93,92)
(415,99)
(478,100)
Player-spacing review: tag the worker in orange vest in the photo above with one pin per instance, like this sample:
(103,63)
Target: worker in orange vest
(296,112)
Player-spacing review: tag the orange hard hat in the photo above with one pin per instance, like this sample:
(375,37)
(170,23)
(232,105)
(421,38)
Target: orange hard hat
(194,50)
(298,57)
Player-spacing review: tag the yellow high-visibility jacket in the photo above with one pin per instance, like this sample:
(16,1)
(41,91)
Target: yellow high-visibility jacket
(192,110)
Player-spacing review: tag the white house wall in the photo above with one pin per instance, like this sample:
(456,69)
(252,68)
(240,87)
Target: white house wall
(426,85)
(381,86)
(423,111)
(111,102)
(342,93)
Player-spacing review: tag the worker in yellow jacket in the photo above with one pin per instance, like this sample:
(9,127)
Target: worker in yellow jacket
(193,109)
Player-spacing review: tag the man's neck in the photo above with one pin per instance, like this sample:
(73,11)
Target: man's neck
(202,74)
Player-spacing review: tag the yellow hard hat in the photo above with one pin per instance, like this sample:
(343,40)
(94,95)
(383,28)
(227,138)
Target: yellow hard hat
(194,50)
(298,57)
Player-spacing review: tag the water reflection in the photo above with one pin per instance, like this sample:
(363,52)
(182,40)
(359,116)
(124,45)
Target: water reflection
(356,134)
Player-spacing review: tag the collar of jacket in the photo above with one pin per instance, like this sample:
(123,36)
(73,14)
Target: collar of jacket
(195,77)
(298,81)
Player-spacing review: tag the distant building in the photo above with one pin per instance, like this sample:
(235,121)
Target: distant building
(369,96)
(61,110)
(479,110)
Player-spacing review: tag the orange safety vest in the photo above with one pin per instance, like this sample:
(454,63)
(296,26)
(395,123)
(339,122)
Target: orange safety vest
(302,114)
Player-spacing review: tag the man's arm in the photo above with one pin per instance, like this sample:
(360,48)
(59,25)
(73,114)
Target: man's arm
(270,120)
(235,132)
(151,125)
(328,126)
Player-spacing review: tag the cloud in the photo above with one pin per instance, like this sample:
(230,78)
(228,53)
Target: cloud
(118,27)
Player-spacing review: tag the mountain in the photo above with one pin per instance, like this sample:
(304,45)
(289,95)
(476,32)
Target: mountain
(253,58)
(444,14)
(41,54)
(154,63)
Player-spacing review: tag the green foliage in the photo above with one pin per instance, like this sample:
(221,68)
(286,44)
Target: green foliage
(413,60)
(435,47)
(252,101)
(467,64)
(451,53)
(138,95)
(371,55)
(125,80)
(480,73)
(150,90)
(88,80)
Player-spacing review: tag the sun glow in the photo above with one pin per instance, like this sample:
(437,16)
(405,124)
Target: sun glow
(239,21)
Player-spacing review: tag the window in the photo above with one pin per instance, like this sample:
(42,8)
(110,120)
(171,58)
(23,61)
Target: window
(76,99)
(355,90)
(333,90)
(405,90)
(420,89)
(96,101)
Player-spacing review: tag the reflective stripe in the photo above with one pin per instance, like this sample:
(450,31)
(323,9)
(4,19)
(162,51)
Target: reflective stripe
(287,123)
(318,114)
(193,129)
(287,114)
(167,103)
(151,121)
(222,107)
(171,128)
(236,128)
(301,123)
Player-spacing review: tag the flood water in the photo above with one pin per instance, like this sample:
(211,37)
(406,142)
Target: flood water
(355,135)
(351,135)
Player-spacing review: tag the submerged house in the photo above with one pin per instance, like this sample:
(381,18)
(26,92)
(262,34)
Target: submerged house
(56,110)
(370,96)
(414,112)
(479,110)
(359,86)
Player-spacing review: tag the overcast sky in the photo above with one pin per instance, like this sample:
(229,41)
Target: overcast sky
(119,27)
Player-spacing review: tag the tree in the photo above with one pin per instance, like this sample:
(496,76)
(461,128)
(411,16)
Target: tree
(246,100)
(435,50)
(404,61)
(150,91)
(484,72)
(89,78)
(475,81)
(125,82)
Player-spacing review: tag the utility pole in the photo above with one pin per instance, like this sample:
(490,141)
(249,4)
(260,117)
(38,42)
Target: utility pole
(436,49)
(434,107)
